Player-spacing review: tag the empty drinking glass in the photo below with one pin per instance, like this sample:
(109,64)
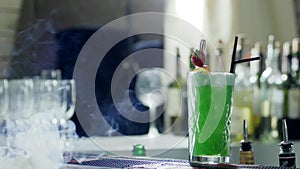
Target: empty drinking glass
(3,110)
(47,96)
(67,128)
(67,90)
(20,96)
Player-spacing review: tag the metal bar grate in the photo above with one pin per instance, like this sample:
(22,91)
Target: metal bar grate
(157,163)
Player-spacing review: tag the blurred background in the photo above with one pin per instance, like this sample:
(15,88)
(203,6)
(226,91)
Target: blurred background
(35,23)
(40,34)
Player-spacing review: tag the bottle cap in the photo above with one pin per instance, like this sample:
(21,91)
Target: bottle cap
(139,150)
(245,144)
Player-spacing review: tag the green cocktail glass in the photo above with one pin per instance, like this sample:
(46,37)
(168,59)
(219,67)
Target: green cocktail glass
(209,106)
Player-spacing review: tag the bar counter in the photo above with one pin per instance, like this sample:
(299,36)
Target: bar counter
(165,151)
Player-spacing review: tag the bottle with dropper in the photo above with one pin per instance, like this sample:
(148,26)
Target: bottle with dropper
(246,151)
(287,157)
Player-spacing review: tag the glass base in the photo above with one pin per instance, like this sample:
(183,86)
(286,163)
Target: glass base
(198,160)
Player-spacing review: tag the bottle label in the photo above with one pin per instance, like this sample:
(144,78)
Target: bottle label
(293,103)
(246,157)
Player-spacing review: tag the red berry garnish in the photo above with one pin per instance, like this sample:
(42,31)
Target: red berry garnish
(198,58)
(197,61)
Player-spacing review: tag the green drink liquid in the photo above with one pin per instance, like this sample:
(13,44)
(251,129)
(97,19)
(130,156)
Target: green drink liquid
(209,114)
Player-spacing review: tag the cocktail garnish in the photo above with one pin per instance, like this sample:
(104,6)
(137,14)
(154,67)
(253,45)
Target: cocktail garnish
(199,58)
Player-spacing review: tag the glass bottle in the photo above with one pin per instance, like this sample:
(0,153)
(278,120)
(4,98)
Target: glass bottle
(242,95)
(262,63)
(256,70)
(246,151)
(278,50)
(272,95)
(286,76)
(293,105)
(217,60)
(296,58)
(174,105)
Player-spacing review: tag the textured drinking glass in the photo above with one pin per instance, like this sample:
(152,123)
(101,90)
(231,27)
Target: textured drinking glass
(209,106)
(20,94)
(47,98)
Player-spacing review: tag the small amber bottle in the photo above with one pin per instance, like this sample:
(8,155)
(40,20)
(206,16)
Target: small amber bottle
(246,151)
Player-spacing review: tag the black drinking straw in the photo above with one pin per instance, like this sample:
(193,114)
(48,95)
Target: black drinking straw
(234,62)
(247,60)
(232,65)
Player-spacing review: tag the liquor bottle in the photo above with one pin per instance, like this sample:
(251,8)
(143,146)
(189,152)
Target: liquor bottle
(242,95)
(288,81)
(246,151)
(287,156)
(296,58)
(271,100)
(175,106)
(256,69)
(262,63)
(293,105)
(217,60)
(278,51)
(285,70)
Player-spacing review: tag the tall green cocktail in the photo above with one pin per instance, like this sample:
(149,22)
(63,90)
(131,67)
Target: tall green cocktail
(209,101)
